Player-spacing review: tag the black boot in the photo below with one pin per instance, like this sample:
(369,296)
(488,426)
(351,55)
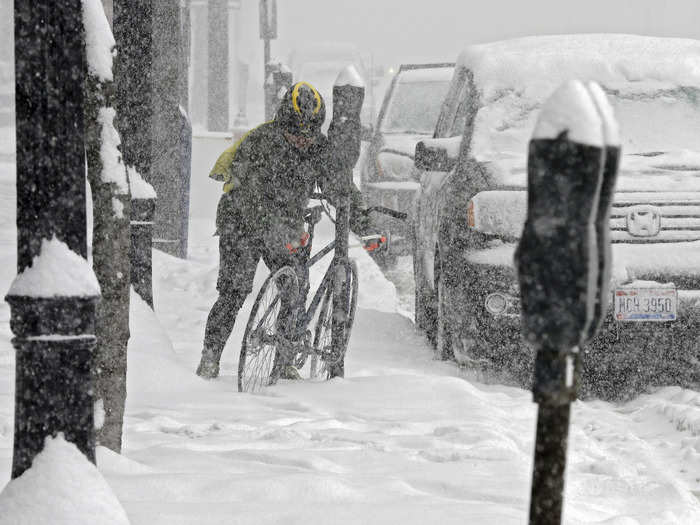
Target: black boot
(209,365)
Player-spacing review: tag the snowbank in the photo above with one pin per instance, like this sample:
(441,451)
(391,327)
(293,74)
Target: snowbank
(56,272)
(152,362)
(62,486)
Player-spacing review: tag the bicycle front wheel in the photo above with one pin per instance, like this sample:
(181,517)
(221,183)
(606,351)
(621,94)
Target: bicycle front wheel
(324,361)
(261,352)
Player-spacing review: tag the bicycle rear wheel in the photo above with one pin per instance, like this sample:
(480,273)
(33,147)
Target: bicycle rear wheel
(261,357)
(323,361)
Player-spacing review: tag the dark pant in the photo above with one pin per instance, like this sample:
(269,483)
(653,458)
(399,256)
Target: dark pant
(239,254)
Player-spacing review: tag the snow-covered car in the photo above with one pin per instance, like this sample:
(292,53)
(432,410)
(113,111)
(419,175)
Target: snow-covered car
(471,207)
(408,114)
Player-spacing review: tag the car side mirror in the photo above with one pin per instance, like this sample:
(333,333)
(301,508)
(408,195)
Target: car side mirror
(437,154)
(366,133)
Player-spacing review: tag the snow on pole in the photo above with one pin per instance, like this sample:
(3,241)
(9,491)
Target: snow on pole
(99,41)
(61,487)
(54,297)
(560,269)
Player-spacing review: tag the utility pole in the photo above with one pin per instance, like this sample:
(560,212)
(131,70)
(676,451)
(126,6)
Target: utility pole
(170,135)
(268,31)
(217,78)
(54,296)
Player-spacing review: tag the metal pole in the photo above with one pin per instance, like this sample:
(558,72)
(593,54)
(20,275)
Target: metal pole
(268,82)
(344,136)
(551,442)
(217,78)
(54,328)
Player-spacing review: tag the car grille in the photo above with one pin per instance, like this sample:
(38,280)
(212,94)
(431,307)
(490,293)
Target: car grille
(655,218)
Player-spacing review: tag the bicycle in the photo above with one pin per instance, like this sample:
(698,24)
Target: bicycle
(281,331)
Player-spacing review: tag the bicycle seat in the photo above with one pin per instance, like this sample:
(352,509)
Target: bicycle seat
(313,215)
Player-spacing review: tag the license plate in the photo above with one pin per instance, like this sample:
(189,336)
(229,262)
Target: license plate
(646,304)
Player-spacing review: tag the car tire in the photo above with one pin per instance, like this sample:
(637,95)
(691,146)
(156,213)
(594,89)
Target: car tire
(444,330)
(425,304)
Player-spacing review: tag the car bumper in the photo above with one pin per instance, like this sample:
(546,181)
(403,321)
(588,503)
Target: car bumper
(622,359)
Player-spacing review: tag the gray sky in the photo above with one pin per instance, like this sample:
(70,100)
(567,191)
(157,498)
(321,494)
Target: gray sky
(413,30)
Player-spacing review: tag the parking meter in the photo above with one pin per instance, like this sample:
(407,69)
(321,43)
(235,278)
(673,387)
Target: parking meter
(345,128)
(344,136)
(563,263)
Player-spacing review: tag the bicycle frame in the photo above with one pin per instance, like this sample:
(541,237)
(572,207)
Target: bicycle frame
(307,314)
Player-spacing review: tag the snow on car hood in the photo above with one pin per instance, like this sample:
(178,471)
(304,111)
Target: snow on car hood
(402,143)
(629,261)
(672,171)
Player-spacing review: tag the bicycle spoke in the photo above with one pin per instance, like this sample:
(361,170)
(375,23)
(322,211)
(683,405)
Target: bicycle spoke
(260,349)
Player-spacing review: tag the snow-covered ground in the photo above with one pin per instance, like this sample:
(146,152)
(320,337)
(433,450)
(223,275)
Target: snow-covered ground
(402,439)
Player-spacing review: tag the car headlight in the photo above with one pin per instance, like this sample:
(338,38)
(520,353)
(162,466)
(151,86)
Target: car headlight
(498,212)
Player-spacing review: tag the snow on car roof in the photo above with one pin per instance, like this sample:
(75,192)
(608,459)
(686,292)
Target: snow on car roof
(426,74)
(651,82)
(540,64)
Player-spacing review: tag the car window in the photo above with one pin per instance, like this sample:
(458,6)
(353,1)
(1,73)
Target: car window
(450,105)
(414,107)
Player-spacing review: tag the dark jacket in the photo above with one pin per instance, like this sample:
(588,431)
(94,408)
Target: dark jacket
(268,181)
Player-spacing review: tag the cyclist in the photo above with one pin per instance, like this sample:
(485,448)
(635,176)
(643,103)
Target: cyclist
(269,176)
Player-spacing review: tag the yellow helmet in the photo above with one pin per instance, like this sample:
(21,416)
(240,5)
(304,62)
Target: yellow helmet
(302,110)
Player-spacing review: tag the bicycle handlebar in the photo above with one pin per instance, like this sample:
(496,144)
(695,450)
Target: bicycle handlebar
(379,209)
(386,211)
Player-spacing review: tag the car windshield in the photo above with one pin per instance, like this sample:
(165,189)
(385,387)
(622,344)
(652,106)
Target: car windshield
(415,107)
(650,121)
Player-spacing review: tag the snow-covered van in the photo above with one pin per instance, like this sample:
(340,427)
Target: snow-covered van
(408,114)
(472,203)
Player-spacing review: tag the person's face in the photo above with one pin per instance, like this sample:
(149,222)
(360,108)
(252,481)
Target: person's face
(300,142)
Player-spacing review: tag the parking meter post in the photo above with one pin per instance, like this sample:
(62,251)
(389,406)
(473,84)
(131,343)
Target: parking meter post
(558,267)
(344,132)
